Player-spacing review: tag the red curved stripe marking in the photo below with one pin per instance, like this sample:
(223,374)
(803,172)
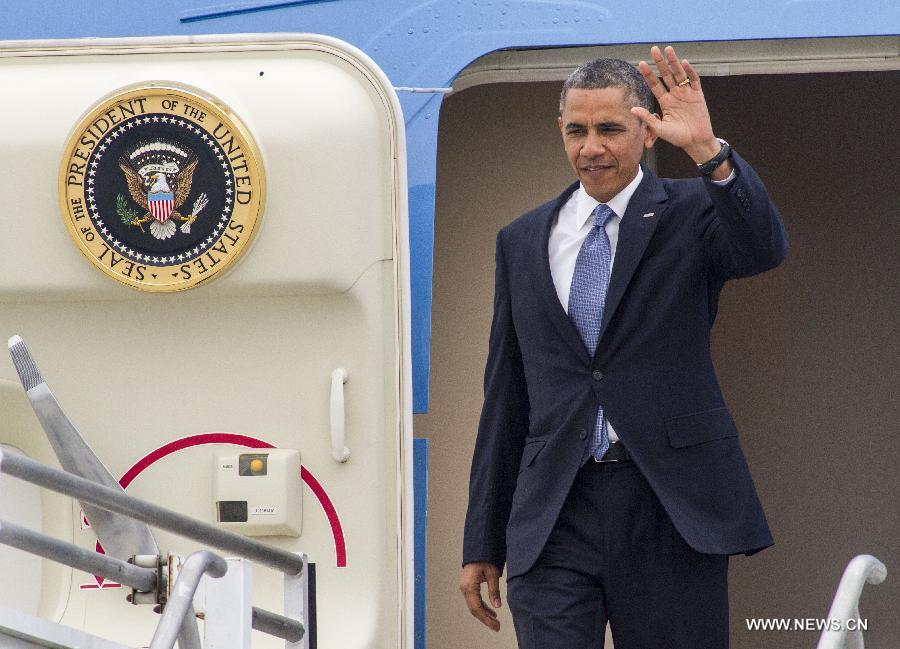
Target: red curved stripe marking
(337,531)
(340,549)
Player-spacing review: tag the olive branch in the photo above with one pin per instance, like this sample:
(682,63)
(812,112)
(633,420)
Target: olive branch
(128,216)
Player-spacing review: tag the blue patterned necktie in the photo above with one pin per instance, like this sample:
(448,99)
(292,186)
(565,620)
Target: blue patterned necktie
(586,298)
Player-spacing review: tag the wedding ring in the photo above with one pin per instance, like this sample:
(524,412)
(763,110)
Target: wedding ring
(684,82)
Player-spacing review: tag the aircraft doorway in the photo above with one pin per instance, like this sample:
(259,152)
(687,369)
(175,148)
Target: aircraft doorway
(806,354)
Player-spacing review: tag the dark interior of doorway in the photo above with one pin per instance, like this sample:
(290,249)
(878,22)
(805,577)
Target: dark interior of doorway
(807,354)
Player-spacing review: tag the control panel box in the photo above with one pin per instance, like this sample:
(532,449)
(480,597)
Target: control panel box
(258,492)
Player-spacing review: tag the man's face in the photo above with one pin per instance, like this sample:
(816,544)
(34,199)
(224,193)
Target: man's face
(603,140)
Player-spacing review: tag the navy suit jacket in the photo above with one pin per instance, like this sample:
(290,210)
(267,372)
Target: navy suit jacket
(679,241)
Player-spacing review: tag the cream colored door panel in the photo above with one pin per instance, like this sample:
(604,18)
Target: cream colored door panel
(323,129)
(157,383)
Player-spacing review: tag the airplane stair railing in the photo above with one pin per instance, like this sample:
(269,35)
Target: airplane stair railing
(93,563)
(176,614)
(168,580)
(847,631)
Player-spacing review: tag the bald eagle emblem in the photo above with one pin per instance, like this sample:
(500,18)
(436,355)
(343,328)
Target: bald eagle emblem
(159,175)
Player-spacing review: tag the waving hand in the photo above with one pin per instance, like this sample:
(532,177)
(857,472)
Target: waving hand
(685,119)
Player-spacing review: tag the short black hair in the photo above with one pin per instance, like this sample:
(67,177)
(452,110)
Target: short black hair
(610,73)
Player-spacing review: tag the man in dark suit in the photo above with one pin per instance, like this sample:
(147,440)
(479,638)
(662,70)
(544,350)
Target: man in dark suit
(607,473)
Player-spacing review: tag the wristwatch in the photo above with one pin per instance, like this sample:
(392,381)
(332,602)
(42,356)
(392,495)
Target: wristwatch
(713,163)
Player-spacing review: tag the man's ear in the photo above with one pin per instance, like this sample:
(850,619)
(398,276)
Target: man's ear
(649,135)
(559,123)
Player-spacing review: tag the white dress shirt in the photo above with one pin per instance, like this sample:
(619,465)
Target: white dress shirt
(572,226)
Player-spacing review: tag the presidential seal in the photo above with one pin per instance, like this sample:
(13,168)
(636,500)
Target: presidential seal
(161,187)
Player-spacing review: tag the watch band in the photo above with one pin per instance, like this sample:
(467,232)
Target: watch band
(713,163)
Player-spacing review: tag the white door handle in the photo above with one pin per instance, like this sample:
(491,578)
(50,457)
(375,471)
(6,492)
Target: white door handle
(338,451)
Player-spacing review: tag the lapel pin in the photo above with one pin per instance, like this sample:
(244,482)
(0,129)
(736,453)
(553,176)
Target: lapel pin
(648,215)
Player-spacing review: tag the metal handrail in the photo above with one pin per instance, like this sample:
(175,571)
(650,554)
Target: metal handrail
(178,607)
(94,563)
(280,626)
(862,569)
(127,574)
(26,469)
(36,473)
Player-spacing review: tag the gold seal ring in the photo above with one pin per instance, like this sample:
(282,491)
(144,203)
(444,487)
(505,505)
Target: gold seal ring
(684,82)
(161,186)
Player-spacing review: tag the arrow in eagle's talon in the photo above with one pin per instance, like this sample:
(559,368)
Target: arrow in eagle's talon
(199,204)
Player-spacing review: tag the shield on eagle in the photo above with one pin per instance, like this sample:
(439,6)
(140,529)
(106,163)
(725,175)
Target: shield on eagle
(161,204)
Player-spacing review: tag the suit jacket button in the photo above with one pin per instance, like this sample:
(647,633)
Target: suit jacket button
(583,433)
(597,374)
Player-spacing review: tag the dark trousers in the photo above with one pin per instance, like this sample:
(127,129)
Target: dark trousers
(615,556)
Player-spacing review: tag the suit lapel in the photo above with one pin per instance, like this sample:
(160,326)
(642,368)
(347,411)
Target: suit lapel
(637,226)
(544,279)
